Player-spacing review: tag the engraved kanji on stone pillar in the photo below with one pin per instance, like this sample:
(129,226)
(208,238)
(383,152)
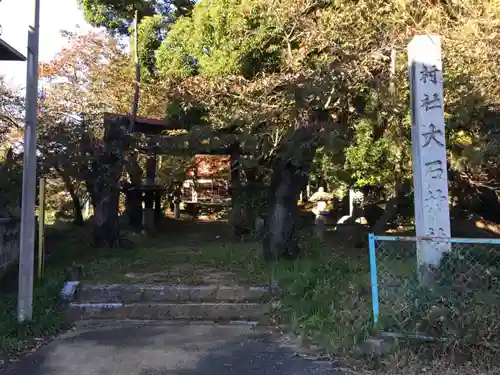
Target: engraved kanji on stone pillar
(432,213)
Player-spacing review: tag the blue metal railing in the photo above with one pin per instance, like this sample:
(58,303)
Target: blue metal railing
(373,277)
(372,244)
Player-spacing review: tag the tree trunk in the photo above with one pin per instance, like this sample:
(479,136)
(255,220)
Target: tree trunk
(105,195)
(280,239)
(106,228)
(133,168)
(252,205)
(77,210)
(133,206)
(391,209)
(133,196)
(77,205)
(237,216)
(289,173)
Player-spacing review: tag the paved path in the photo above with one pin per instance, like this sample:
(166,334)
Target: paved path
(144,348)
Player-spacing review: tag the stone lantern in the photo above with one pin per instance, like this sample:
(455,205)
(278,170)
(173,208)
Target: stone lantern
(321,198)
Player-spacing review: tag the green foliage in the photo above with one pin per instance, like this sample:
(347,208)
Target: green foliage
(367,157)
(10,188)
(186,115)
(117,15)
(459,306)
(266,62)
(329,166)
(326,296)
(49,318)
(11,116)
(150,35)
(253,196)
(114,15)
(221,38)
(174,56)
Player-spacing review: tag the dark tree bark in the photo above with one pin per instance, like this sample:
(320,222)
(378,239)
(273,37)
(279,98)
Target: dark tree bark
(290,170)
(106,228)
(75,199)
(105,194)
(237,216)
(280,233)
(133,196)
(254,187)
(133,206)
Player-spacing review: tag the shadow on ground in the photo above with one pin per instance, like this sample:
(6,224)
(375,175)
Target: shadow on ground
(129,348)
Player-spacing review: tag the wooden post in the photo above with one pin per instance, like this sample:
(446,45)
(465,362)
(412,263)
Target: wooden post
(41,228)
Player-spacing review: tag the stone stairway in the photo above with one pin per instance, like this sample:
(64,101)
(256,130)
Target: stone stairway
(171,302)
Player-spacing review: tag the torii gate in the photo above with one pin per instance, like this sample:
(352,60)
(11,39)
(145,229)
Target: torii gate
(149,192)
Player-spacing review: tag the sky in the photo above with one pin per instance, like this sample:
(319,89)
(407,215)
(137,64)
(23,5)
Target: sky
(55,15)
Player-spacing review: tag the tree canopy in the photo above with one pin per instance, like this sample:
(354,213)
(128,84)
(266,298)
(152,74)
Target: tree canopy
(306,88)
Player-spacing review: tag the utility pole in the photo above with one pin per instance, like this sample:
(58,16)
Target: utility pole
(137,83)
(27,247)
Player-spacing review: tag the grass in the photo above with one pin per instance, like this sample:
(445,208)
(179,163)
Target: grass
(326,299)
(150,261)
(48,318)
(48,315)
(327,295)
(414,362)
(460,308)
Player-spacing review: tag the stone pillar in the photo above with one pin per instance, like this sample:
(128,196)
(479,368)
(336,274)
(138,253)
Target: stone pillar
(151,170)
(177,208)
(351,202)
(430,178)
(356,198)
(149,198)
(319,227)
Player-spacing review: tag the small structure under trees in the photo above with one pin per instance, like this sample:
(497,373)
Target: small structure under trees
(212,171)
(148,193)
(208,181)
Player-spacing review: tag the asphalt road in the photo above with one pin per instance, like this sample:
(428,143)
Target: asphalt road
(149,348)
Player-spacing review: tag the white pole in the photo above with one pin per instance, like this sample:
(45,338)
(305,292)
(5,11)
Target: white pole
(27,243)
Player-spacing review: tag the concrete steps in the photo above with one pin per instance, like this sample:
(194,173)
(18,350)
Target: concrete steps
(171,302)
(170,293)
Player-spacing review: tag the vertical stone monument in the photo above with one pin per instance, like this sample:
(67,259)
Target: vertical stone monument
(430,178)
